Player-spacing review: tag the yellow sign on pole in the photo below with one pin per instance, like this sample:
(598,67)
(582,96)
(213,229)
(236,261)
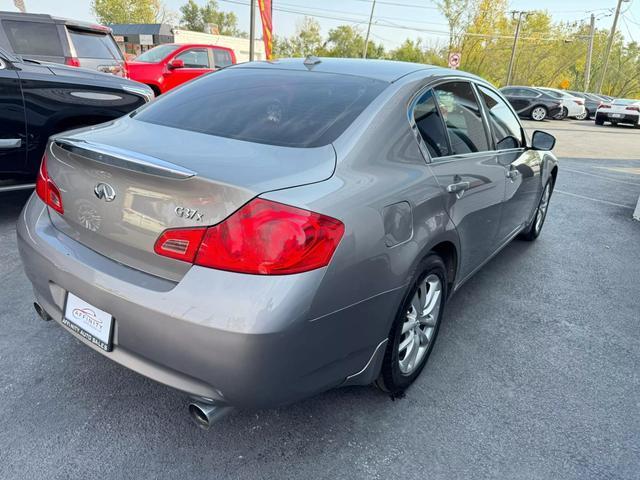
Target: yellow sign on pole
(564,84)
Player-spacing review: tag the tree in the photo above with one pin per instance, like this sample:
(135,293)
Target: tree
(307,40)
(458,14)
(346,41)
(417,52)
(195,17)
(127,11)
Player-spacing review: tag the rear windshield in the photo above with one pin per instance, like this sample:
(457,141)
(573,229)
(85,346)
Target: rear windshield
(94,45)
(276,107)
(156,54)
(33,38)
(624,101)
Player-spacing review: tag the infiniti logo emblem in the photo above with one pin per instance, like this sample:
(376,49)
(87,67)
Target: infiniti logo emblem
(105,192)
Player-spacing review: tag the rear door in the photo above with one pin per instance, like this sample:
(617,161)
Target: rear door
(522,166)
(196,62)
(96,50)
(13,139)
(451,126)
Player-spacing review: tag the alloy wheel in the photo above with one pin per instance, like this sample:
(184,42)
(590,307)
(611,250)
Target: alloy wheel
(418,329)
(538,114)
(541,213)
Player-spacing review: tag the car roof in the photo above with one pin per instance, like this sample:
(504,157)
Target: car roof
(385,70)
(34,17)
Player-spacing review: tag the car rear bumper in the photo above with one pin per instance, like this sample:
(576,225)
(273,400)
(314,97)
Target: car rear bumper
(623,118)
(247,340)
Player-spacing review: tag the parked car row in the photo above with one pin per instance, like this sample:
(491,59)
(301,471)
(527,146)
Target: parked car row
(540,103)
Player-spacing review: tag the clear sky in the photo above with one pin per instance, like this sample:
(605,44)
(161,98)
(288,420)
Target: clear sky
(393,19)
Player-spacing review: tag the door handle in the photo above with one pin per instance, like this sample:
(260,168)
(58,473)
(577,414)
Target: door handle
(10,143)
(512,173)
(458,187)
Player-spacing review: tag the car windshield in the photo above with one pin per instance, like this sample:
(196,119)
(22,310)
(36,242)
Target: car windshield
(275,107)
(156,54)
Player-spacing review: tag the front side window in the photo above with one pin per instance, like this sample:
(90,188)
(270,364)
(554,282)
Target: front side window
(504,124)
(221,58)
(462,117)
(33,38)
(431,125)
(195,58)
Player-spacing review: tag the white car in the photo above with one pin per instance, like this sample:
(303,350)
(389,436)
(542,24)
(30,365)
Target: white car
(572,106)
(621,110)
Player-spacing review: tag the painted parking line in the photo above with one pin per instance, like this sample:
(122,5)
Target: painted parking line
(603,177)
(593,199)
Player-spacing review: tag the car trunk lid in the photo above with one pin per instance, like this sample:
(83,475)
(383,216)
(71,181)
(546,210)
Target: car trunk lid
(124,183)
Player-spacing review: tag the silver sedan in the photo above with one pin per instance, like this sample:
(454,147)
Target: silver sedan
(273,230)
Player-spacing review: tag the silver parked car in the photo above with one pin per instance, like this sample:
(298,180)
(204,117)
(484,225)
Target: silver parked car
(274,230)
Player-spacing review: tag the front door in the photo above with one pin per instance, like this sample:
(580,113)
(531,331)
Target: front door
(449,120)
(522,166)
(196,63)
(13,139)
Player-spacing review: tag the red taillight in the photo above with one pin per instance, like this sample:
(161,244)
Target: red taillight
(72,61)
(264,238)
(579,102)
(604,105)
(47,190)
(635,108)
(180,243)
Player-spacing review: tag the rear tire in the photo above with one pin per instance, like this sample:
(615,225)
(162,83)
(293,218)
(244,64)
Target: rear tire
(539,113)
(599,121)
(583,116)
(415,327)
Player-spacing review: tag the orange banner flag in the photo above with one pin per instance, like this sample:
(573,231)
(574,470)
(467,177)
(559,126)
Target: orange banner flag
(267,26)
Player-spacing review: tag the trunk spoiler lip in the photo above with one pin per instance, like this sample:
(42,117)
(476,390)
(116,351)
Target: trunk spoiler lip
(125,159)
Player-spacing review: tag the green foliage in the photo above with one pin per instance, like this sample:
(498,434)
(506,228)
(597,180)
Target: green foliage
(306,41)
(128,11)
(195,17)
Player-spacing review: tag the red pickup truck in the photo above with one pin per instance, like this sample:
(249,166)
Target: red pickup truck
(169,65)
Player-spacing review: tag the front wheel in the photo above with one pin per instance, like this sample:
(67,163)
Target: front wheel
(563,114)
(539,113)
(535,227)
(415,327)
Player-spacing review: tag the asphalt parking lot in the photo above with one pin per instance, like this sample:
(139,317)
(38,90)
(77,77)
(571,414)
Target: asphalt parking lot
(535,374)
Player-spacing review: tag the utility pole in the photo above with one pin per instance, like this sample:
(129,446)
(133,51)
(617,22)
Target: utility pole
(515,43)
(366,40)
(609,44)
(252,31)
(587,67)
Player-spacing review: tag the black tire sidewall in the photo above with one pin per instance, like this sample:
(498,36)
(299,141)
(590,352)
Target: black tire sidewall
(391,377)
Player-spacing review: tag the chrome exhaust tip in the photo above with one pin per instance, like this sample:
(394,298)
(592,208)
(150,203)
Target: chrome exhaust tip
(41,313)
(206,414)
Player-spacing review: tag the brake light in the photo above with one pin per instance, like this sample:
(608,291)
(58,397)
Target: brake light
(263,237)
(72,61)
(635,108)
(604,105)
(579,102)
(47,190)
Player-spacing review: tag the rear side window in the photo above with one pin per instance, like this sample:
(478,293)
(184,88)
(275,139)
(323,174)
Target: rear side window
(506,128)
(276,107)
(431,126)
(33,38)
(94,45)
(221,58)
(463,118)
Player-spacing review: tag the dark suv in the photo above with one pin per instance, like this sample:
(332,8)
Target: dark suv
(59,40)
(40,99)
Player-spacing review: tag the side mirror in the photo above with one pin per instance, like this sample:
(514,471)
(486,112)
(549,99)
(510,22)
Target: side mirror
(176,63)
(542,140)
